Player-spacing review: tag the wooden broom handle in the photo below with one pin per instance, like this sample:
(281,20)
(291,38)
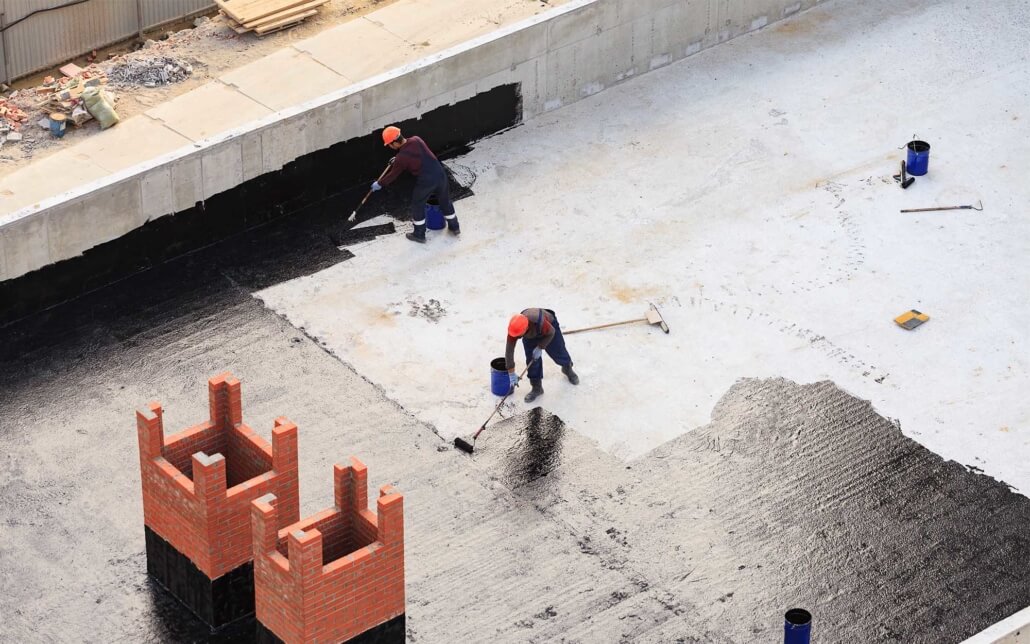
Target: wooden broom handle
(603,326)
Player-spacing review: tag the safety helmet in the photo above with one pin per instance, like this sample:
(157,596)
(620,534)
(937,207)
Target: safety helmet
(518,325)
(391,134)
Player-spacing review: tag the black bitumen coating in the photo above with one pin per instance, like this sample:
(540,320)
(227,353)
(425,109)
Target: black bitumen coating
(216,602)
(391,632)
(794,496)
(304,205)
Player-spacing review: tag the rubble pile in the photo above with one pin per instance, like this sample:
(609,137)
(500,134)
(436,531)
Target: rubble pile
(147,70)
(64,95)
(11,117)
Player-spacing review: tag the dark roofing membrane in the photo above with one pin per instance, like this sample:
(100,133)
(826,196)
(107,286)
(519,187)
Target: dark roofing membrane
(794,496)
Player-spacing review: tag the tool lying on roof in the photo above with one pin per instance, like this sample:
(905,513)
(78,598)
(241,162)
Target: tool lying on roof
(368,194)
(653,316)
(903,178)
(911,319)
(468,447)
(977,208)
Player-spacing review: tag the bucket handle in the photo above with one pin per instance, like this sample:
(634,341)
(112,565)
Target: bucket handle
(914,138)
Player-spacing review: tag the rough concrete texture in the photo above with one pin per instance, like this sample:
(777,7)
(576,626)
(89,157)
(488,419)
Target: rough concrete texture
(747,190)
(627,528)
(792,495)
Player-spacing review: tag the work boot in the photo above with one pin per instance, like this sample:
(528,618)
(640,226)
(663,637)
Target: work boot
(418,235)
(452,225)
(536,391)
(570,374)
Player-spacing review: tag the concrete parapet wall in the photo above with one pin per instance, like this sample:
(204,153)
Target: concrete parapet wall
(1014,630)
(558,58)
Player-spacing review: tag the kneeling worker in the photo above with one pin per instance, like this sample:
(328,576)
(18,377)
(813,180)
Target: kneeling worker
(414,156)
(540,332)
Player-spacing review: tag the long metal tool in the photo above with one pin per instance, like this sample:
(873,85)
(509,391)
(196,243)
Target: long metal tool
(977,208)
(653,316)
(368,194)
(468,447)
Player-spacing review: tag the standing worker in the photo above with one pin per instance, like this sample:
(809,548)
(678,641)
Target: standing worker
(540,332)
(414,156)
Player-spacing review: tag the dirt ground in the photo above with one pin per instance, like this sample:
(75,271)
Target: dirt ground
(210,48)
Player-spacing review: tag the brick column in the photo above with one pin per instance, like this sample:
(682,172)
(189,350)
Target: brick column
(336,575)
(197,486)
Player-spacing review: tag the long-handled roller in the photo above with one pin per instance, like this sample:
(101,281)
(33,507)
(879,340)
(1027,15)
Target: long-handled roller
(468,447)
(977,208)
(369,193)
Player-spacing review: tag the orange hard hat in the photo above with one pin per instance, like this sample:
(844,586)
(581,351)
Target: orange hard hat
(518,325)
(391,134)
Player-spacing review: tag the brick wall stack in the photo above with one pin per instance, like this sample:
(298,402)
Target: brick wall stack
(198,485)
(336,576)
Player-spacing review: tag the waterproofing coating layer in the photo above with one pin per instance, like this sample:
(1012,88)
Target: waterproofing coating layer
(792,496)
(322,187)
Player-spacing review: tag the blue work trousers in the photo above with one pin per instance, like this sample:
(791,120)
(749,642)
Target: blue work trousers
(556,349)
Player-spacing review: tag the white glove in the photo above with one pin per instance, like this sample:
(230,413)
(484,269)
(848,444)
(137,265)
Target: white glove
(376,187)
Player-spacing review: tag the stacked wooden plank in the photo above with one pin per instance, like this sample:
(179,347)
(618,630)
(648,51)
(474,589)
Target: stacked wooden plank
(266,16)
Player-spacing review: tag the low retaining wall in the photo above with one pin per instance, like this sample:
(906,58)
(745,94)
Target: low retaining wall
(1014,630)
(557,58)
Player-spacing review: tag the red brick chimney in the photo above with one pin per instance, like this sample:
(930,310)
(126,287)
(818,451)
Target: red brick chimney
(334,575)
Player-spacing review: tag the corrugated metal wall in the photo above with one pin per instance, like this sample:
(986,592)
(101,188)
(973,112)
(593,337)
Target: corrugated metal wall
(52,37)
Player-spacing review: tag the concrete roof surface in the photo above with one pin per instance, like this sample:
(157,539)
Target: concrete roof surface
(747,191)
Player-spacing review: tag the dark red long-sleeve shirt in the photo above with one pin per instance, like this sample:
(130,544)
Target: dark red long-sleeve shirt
(409,159)
(543,334)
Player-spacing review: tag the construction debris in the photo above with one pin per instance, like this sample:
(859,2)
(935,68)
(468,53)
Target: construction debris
(71,70)
(266,16)
(149,70)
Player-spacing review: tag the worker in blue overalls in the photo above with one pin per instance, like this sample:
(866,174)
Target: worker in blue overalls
(414,156)
(540,332)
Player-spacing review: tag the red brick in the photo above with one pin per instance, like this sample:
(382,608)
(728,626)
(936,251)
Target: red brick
(186,479)
(336,574)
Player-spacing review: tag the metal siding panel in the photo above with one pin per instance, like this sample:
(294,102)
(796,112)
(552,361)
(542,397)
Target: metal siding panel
(157,12)
(50,38)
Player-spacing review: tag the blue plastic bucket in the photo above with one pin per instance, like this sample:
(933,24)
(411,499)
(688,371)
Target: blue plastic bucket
(797,626)
(499,383)
(918,158)
(434,216)
(57,124)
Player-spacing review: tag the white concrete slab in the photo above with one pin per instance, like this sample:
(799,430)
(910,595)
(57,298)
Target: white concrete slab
(45,178)
(208,110)
(358,49)
(134,141)
(748,192)
(286,78)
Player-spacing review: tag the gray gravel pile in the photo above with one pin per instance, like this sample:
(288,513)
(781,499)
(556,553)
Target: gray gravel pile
(148,71)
